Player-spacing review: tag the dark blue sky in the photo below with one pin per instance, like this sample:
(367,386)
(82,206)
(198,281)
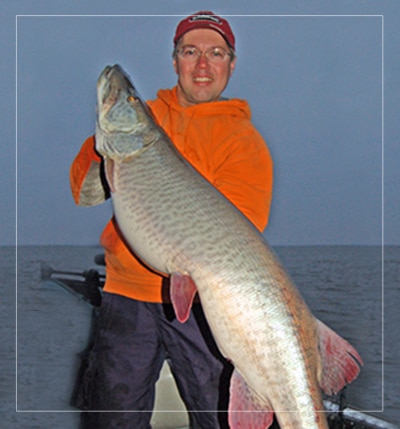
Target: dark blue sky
(323,90)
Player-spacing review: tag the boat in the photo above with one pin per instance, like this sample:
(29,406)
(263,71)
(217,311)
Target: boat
(169,409)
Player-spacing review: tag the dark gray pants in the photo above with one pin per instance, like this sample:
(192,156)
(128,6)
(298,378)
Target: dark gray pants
(131,340)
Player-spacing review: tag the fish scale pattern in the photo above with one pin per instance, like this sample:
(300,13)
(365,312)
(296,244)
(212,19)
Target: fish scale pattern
(177,222)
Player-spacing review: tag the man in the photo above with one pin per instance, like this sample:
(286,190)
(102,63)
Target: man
(136,327)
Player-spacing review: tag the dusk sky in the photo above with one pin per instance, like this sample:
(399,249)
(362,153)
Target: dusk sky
(322,79)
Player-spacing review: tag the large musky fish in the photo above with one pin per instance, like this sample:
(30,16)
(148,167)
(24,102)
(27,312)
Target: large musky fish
(180,225)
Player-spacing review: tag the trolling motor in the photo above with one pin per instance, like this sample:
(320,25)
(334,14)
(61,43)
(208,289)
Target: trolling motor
(86,285)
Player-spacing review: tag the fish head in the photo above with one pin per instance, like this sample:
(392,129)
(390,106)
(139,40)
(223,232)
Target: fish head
(124,125)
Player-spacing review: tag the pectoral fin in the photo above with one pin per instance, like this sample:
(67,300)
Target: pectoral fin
(246,411)
(340,360)
(183,290)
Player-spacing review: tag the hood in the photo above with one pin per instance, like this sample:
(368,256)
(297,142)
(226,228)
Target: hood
(233,107)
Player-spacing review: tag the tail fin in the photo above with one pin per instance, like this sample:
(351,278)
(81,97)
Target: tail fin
(340,360)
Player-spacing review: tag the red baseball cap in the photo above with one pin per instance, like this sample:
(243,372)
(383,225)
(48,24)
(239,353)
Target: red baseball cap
(205,19)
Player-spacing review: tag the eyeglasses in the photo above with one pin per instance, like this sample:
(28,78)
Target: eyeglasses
(214,55)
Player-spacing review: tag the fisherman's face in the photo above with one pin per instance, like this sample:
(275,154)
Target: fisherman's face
(201,81)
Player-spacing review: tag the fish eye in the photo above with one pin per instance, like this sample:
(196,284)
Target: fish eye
(131,99)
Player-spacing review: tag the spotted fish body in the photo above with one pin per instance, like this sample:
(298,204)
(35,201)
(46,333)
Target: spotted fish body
(180,225)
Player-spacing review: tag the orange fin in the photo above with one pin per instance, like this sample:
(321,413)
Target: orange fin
(245,410)
(340,360)
(183,290)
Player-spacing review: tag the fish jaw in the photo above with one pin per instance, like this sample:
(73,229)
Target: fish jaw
(115,113)
(123,124)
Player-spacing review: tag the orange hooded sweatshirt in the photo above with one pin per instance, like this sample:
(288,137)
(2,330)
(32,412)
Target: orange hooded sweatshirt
(219,140)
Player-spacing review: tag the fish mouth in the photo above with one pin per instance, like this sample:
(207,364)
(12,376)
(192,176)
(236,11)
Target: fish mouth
(113,82)
(118,76)
(110,70)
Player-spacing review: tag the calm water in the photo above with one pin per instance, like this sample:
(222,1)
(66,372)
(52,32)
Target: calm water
(343,286)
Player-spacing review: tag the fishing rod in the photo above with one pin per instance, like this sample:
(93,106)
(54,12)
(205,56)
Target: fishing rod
(347,417)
